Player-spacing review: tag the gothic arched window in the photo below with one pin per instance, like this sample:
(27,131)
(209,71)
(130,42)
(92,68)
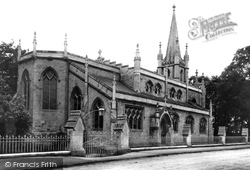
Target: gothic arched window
(172,92)
(181,75)
(175,119)
(179,94)
(157,88)
(168,73)
(75,99)
(49,78)
(190,121)
(25,84)
(149,86)
(98,119)
(134,117)
(203,125)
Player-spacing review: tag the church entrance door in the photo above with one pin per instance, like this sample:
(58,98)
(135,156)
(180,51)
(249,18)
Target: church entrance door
(165,125)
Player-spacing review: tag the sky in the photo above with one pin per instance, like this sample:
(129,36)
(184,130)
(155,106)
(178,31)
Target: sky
(116,26)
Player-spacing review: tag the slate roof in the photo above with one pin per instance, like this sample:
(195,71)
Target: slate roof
(72,120)
(121,87)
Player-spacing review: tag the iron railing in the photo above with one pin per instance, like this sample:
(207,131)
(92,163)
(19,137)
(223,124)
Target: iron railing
(22,144)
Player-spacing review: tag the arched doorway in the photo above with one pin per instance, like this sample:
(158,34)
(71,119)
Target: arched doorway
(76,99)
(165,128)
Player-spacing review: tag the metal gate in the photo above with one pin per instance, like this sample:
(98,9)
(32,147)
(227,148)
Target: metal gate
(99,143)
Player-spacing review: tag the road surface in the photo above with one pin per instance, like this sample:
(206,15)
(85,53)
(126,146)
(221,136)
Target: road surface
(229,159)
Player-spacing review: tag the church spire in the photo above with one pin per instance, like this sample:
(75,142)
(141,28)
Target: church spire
(173,48)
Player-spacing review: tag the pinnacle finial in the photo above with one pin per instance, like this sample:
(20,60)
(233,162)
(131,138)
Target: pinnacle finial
(65,41)
(174,7)
(86,57)
(160,45)
(19,42)
(196,73)
(137,45)
(186,45)
(34,40)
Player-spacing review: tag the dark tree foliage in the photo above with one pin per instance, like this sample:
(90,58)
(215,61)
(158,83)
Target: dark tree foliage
(8,68)
(14,119)
(230,93)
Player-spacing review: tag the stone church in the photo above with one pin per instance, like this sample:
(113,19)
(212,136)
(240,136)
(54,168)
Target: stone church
(159,103)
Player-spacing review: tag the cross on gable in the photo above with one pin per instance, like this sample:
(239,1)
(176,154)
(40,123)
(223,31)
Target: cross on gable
(100,52)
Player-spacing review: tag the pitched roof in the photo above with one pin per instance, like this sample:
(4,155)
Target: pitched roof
(121,87)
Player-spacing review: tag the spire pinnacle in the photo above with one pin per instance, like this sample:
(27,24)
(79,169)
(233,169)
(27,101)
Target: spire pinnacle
(65,46)
(196,73)
(137,53)
(186,53)
(19,43)
(34,44)
(160,49)
(34,40)
(65,40)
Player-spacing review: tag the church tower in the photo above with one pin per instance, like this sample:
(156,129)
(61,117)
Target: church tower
(176,67)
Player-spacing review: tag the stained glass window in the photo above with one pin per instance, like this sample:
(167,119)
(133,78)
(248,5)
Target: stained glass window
(49,90)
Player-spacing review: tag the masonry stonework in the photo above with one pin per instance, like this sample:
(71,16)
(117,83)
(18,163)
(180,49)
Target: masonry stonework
(105,85)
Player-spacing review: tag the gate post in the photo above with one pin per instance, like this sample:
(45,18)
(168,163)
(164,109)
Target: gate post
(75,129)
(187,133)
(122,135)
(222,134)
(245,133)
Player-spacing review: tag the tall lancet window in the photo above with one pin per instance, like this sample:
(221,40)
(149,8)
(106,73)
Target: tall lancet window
(203,125)
(181,75)
(26,88)
(190,120)
(49,89)
(98,118)
(76,99)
